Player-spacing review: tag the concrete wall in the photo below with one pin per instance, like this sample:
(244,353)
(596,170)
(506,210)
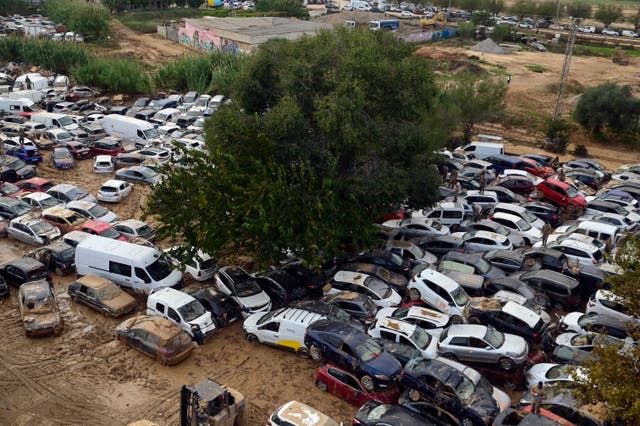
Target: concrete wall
(208,41)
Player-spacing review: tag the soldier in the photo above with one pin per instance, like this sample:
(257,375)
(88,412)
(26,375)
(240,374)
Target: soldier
(453,179)
(477,213)
(483,181)
(546,230)
(561,176)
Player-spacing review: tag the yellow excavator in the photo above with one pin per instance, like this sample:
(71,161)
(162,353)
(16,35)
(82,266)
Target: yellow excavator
(435,19)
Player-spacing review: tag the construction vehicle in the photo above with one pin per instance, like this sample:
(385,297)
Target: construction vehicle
(210,404)
(426,21)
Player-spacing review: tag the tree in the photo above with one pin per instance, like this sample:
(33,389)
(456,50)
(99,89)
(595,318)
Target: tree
(547,8)
(466,30)
(609,108)
(558,132)
(614,374)
(608,14)
(476,100)
(90,21)
(325,134)
(195,3)
(524,8)
(579,10)
(294,8)
(501,32)
(494,6)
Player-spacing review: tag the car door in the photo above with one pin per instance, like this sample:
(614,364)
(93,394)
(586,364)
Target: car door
(93,300)
(481,351)
(22,233)
(270,333)
(13,275)
(337,383)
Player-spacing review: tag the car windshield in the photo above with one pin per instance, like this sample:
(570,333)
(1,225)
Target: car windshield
(266,317)
(65,121)
(41,227)
(528,216)
(416,251)
(16,164)
(67,255)
(63,135)
(482,266)
(76,193)
(144,230)
(110,233)
(400,312)
(460,296)
(191,311)
(395,259)
(500,229)
(523,225)
(151,133)
(494,337)
(21,208)
(61,153)
(98,211)
(9,188)
(421,338)
(247,288)
(378,287)
(160,269)
(465,390)
(621,211)
(559,371)
(148,173)
(47,202)
(571,192)
(108,292)
(367,350)
(588,319)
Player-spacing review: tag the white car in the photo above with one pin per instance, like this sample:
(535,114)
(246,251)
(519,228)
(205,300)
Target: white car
(629,222)
(408,250)
(510,296)
(419,223)
(586,341)
(93,211)
(200,266)
(607,303)
(407,14)
(516,172)
(518,226)
(158,154)
(114,191)
(380,292)
(13,143)
(566,232)
(549,373)
(104,164)
(440,292)
(31,229)
(486,201)
(610,32)
(578,251)
(431,321)
(484,241)
(40,200)
(243,289)
(403,332)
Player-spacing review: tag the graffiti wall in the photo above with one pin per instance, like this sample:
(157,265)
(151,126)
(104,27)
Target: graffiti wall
(206,40)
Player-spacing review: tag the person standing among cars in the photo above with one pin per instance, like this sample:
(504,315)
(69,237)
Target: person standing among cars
(456,191)
(477,213)
(27,82)
(561,176)
(483,181)
(453,179)
(546,231)
(538,392)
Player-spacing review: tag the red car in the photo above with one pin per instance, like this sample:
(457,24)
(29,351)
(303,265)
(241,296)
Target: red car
(8,189)
(561,194)
(35,184)
(535,168)
(103,229)
(517,184)
(106,146)
(341,383)
(78,150)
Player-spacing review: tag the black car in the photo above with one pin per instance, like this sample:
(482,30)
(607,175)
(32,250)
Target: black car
(23,170)
(545,211)
(586,176)
(443,382)
(561,289)
(57,256)
(544,258)
(223,309)
(543,159)
(357,305)
(375,413)
(330,311)
(520,417)
(4,288)
(439,244)
(507,260)
(386,259)
(571,413)
(481,266)
(515,285)
(22,270)
(281,287)
(400,351)
(312,279)
(353,350)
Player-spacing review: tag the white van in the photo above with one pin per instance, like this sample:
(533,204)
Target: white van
(446,212)
(284,328)
(138,267)
(600,231)
(183,310)
(140,132)
(38,82)
(165,115)
(16,106)
(32,95)
(55,121)
(483,150)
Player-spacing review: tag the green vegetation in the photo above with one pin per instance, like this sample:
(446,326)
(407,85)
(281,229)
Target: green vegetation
(146,21)
(558,133)
(502,32)
(610,110)
(536,68)
(579,9)
(294,8)
(57,57)
(88,19)
(591,50)
(466,30)
(114,75)
(324,135)
(608,14)
(10,7)
(211,73)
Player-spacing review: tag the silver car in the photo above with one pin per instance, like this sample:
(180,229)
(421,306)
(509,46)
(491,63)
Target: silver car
(31,229)
(483,344)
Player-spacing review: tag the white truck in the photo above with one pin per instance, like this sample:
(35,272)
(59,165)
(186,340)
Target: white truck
(139,132)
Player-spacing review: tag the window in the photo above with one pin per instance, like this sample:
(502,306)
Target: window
(434,214)
(459,341)
(477,343)
(387,335)
(82,289)
(160,307)
(272,326)
(141,273)
(452,214)
(351,382)
(173,315)
(120,268)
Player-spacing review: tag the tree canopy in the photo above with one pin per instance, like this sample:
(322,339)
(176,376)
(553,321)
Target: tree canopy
(608,14)
(324,135)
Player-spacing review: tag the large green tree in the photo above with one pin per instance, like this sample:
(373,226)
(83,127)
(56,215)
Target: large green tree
(579,9)
(324,135)
(609,108)
(608,14)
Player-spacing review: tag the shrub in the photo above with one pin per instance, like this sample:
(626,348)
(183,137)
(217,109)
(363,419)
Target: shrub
(580,150)
(90,20)
(501,33)
(558,132)
(579,10)
(293,8)
(57,57)
(467,30)
(114,75)
(609,108)
(608,14)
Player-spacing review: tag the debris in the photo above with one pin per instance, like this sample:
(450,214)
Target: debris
(489,46)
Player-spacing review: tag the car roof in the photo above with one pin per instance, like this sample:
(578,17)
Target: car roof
(114,182)
(351,277)
(38,196)
(94,281)
(171,297)
(59,211)
(556,276)
(134,223)
(346,295)
(568,242)
(467,330)
(104,158)
(26,219)
(522,313)
(439,279)
(25,263)
(489,235)
(507,216)
(294,412)
(434,316)
(154,325)
(63,187)
(299,315)
(396,325)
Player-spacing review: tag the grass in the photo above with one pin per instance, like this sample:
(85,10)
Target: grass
(536,68)
(591,50)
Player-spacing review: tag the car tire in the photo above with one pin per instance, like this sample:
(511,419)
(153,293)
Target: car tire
(252,338)
(510,386)
(414,294)
(466,422)
(322,386)
(315,354)
(450,356)
(303,352)
(456,319)
(414,395)
(474,320)
(367,382)
(506,364)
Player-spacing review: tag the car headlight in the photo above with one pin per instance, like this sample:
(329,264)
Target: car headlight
(382,377)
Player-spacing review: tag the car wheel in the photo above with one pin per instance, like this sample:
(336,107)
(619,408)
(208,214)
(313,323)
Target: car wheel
(322,386)
(414,395)
(456,319)
(510,386)
(414,294)
(303,352)
(474,320)
(450,356)
(252,338)
(315,353)
(467,422)
(506,364)
(367,382)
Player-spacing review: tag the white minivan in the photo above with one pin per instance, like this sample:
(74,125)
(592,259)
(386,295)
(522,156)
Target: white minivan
(140,132)
(184,311)
(138,267)
(483,150)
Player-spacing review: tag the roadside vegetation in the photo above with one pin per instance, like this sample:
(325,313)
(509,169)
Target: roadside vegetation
(54,56)
(89,19)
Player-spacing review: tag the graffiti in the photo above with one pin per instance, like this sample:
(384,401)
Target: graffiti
(205,40)
(230,46)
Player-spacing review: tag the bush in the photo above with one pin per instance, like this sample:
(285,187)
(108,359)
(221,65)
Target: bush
(558,132)
(608,14)
(54,56)
(580,150)
(294,8)
(114,75)
(467,30)
(90,20)
(609,108)
(579,10)
(501,33)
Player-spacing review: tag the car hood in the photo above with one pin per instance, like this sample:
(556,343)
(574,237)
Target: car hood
(121,303)
(36,321)
(495,272)
(251,321)
(258,299)
(385,364)
(110,217)
(203,321)
(538,224)
(516,240)
(50,234)
(571,321)
(483,403)
(514,345)
(533,233)
(63,161)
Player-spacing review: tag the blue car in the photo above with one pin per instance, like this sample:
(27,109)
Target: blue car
(62,158)
(28,154)
(350,348)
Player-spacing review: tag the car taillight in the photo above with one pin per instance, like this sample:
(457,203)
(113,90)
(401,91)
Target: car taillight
(491,217)
(356,422)
(310,285)
(402,373)
(269,422)
(460,250)
(530,200)
(554,217)
(438,346)
(536,336)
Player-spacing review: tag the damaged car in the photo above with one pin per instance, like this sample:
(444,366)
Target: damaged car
(39,310)
(101,295)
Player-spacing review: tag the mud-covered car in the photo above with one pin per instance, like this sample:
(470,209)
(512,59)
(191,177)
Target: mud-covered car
(22,270)
(39,310)
(57,256)
(101,295)
(156,337)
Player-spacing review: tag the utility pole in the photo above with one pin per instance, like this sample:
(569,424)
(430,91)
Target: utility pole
(568,54)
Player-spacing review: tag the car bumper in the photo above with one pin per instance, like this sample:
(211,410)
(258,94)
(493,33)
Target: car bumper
(44,331)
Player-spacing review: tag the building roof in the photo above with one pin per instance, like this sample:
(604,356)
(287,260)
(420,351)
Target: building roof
(258,30)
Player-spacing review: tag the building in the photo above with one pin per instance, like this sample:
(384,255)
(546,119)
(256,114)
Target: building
(243,35)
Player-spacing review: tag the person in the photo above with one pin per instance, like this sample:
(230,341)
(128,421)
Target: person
(477,213)
(546,230)
(453,179)
(483,181)
(561,176)
(27,81)
(509,79)
(21,136)
(456,191)
(555,163)
(444,171)
(538,394)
